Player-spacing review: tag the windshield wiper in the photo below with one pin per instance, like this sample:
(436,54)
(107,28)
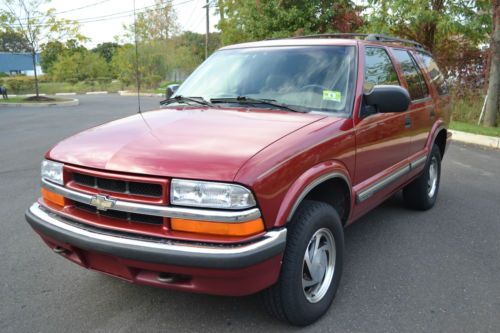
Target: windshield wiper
(184,99)
(249,100)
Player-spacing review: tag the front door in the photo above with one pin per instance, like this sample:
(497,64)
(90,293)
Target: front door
(382,139)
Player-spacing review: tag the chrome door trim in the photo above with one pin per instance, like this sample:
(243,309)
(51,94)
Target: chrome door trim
(389,179)
(381,184)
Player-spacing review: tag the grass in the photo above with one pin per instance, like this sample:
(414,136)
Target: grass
(475,129)
(80,87)
(23,99)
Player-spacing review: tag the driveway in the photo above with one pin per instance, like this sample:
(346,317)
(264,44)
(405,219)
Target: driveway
(405,271)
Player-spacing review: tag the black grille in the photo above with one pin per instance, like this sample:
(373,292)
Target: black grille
(119,186)
(141,218)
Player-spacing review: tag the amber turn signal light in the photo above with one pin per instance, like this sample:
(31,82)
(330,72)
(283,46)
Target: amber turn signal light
(52,197)
(218,228)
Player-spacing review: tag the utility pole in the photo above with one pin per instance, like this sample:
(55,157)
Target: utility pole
(207,6)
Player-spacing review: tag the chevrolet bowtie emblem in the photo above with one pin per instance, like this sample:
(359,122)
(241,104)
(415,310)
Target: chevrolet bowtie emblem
(102,202)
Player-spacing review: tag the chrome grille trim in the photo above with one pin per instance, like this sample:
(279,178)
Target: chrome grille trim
(157,210)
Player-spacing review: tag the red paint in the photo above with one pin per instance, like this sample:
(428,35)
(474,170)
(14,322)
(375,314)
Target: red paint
(276,154)
(229,282)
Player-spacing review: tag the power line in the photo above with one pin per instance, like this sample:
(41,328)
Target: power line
(71,10)
(117,15)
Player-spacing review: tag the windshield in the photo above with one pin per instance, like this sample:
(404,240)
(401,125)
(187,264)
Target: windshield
(314,78)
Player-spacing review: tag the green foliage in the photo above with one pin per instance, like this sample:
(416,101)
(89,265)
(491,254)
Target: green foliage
(473,128)
(243,20)
(430,21)
(21,84)
(106,50)
(54,49)
(151,62)
(12,41)
(82,66)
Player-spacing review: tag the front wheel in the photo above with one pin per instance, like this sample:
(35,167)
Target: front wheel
(312,265)
(422,193)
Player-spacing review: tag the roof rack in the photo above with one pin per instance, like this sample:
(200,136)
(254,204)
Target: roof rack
(334,35)
(367,37)
(384,38)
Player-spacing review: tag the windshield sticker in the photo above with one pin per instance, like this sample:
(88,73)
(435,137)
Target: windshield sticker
(330,95)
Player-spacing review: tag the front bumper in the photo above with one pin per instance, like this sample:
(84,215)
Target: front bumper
(159,251)
(211,268)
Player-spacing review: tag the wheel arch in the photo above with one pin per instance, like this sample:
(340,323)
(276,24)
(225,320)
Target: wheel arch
(326,182)
(439,137)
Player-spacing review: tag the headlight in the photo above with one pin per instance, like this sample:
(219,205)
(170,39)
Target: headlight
(211,195)
(53,171)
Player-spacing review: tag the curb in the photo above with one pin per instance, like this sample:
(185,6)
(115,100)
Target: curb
(26,95)
(477,139)
(72,102)
(66,94)
(97,93)
(132,93)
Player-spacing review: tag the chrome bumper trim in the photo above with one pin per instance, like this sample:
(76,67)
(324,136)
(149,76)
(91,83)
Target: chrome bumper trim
(157,210)
(164,251)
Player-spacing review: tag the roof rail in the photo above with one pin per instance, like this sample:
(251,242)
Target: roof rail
(368,37)
(334,35)
(384,38)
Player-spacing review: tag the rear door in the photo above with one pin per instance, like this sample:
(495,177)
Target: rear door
(421,113)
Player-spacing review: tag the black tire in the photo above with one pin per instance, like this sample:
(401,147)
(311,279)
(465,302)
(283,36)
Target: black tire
(417,195)
(286,300)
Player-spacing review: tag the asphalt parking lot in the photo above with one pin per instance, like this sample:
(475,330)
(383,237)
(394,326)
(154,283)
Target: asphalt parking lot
(405,271)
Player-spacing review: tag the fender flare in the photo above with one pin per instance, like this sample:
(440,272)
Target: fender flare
(308,181)
(436,129)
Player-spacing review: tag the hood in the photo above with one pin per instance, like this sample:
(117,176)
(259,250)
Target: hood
(199,143)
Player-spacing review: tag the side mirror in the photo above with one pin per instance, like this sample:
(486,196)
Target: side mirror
(385,98)
(171,89)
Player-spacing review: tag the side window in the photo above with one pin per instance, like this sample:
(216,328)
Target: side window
(435,74)
(416,83)
(378,68)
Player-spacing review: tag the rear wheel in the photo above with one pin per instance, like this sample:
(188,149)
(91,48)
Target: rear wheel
(422,193)
(312,265)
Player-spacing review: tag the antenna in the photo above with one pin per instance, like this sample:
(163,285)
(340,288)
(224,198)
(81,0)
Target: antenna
(138,80)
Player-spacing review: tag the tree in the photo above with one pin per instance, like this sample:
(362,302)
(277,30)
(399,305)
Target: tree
(80,66)
(12,41)
(430,21)
(157,23)
(54,49)
(106,50)
(493,100)
(243,20)
(26,18)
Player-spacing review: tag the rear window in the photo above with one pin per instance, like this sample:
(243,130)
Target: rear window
(416,83)
(437,77)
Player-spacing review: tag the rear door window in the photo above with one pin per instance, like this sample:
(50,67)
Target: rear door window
(378,69)
(414,77)
(437,77)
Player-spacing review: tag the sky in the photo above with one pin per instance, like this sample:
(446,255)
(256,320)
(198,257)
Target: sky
(190,15)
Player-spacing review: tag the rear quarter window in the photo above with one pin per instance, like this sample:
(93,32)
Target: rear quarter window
(432,69)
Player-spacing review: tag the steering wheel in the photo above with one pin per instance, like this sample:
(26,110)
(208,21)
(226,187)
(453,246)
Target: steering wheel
(314,87)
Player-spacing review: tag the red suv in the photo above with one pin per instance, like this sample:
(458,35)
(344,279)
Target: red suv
(244,180)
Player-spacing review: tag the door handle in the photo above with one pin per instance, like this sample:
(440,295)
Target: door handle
(432,114)
(407,122)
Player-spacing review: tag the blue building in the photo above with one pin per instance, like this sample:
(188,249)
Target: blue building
(19,63)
